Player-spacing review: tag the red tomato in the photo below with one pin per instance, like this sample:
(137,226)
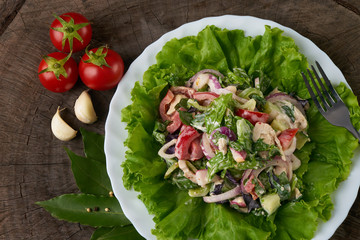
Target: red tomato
(101,68)
(58,72)
(252,116)
(286,137)
(70,32)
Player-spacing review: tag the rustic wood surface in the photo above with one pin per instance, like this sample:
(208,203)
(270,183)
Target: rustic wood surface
(33,163)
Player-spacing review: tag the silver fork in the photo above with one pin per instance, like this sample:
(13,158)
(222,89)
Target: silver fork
(333,108)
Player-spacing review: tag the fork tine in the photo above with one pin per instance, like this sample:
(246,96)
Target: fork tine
(313,96)
(328,82)
(328,97)
(326,105)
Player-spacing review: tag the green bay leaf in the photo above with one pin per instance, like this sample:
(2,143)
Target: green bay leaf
(115,233)
(90,175)
(93,145)
(73,208)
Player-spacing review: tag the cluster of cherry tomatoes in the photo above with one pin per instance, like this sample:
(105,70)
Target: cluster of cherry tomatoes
(99,69)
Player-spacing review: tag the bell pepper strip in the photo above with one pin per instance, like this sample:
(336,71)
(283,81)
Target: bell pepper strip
(182,147)
(286,137)
(196,152)
(175,122)
(164,105)
(252,116)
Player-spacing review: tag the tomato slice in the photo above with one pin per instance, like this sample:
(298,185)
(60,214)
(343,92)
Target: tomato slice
(286,137)
(252,116)
(182,147)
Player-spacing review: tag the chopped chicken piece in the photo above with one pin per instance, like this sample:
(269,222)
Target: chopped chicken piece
(264,131)
(222,145)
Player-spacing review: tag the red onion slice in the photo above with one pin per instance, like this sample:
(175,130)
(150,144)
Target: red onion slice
(239,201)
(239,99)
(277,161)
(206,147)
(162,152)
(213,83)
(224,196)
(246,175)
(225,131)
(212,71)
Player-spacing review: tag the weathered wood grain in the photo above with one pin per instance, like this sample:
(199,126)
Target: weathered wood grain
(33,164)
(8,11)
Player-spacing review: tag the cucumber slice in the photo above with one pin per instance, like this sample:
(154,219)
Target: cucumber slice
(280,124)
(170,170)
(270,202)
(272,110)
(199,192)
(301,139)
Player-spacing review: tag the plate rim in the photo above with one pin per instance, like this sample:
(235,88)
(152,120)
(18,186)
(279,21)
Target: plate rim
(148,56)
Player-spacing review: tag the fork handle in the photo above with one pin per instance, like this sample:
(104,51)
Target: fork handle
(354,132)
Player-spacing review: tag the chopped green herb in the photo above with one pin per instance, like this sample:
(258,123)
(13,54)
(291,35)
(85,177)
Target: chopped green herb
(289,112)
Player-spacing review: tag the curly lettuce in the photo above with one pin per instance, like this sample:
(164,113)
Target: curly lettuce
(326,160)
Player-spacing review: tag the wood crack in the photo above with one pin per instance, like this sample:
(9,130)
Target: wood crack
(348,6)
(5,22)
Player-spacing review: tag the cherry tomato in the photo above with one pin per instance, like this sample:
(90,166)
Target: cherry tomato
(252,116)
(58,72)
(101,68)
(70,32)
(286,137)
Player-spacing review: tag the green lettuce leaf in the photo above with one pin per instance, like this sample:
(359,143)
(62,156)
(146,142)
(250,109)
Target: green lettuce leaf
(225,223)
(215,115)
(325,160)
(295,220)
(304,155)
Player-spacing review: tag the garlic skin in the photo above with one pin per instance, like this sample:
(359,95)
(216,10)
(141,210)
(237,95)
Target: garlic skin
(84,109)
(60,128)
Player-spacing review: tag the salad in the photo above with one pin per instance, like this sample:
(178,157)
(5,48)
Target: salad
(224,141)
(212,86)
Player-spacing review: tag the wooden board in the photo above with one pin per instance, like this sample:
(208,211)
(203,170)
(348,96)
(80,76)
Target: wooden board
(33,164)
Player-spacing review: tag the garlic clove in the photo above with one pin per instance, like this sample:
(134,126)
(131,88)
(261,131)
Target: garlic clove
(60,128)
(84,109)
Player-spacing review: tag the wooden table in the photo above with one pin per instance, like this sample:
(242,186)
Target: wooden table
(33,163)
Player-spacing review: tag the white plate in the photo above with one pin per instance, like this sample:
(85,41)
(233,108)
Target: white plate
(115,133)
